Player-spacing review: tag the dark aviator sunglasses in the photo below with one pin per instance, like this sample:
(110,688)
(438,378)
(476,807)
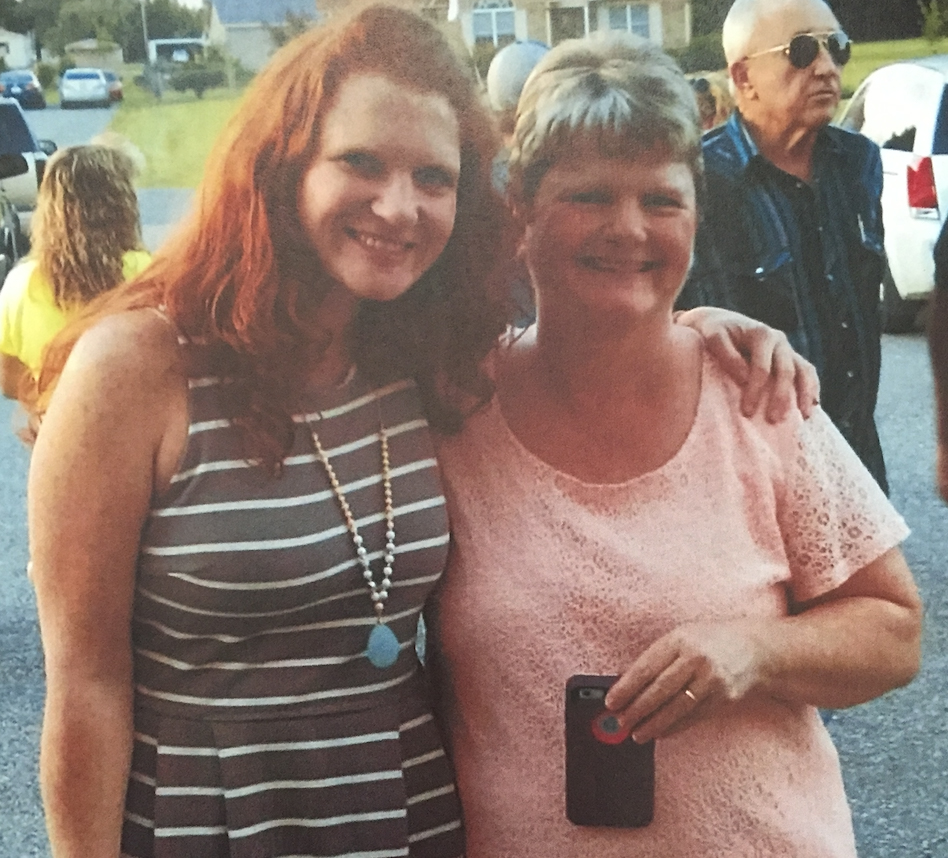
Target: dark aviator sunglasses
(803,48)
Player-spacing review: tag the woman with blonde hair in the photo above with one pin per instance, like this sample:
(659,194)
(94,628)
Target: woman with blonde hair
(86,240)
(613,514)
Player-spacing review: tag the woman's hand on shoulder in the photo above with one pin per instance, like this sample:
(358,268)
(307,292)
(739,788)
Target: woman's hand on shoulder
(758,358)
(694,671)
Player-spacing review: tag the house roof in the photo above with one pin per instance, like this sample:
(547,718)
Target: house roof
(262,11)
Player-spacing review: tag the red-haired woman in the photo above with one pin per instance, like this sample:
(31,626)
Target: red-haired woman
(235,510)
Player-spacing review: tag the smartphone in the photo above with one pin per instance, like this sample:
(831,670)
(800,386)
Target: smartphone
(610,780)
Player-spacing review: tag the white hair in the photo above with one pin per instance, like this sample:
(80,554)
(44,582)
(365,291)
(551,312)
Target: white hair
(743,19)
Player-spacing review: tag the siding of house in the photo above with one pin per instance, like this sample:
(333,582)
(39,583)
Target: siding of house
(669,21)
(16,49)
(241,27)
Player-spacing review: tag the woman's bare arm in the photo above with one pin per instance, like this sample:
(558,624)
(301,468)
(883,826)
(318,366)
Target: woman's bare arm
(759,358)
(12,373)
(846,647)
(103,442)
(938,348)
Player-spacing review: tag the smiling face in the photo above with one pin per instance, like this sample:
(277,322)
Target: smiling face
(772,93)
(378,201)
(611,236)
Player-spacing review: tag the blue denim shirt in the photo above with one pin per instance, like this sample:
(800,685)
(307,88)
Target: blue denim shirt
(806,258)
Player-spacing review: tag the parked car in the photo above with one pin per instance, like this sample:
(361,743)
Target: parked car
(12,246)
(904,108)
(85,87)
(17,139)
(116,92)
(24,86)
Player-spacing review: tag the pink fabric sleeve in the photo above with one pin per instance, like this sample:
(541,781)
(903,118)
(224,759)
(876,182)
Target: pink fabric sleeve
(834,517)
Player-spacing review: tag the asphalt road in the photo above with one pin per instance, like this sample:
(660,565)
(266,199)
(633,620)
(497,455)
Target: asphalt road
(160,208)
(894,751)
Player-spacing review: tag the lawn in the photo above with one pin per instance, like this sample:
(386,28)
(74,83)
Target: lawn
(175,134)
(869,56)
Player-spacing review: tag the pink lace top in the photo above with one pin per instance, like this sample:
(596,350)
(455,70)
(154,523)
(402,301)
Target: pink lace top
(552,577)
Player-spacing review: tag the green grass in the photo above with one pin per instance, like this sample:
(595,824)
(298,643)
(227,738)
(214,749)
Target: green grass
(175,133)
(867,57)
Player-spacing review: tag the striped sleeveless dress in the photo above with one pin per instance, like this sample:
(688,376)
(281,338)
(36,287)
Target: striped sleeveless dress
(261,728)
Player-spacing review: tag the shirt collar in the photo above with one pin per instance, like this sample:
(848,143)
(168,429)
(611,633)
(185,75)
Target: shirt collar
(748,152)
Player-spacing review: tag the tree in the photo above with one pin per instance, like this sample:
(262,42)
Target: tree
(290,28)
(167,19)
(863,20)
(933,21)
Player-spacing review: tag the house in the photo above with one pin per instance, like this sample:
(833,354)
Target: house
(17,49)
(497,22)
(92,52)
(242,27)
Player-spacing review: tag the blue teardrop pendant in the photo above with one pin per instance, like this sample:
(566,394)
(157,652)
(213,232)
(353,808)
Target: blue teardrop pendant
(383,647)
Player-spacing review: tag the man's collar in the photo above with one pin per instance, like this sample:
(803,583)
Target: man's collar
(748,152)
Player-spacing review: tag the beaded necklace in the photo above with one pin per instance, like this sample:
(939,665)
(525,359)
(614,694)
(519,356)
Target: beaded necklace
(382,648)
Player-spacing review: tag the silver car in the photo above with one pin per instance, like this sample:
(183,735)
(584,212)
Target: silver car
(83,87)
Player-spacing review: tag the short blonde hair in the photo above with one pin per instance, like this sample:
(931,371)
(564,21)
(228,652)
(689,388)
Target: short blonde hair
(621,91)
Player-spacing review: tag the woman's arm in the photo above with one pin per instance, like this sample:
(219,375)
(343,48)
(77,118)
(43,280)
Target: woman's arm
(938,348)
(104,441)
(12,373)
(845,647)
(759,358)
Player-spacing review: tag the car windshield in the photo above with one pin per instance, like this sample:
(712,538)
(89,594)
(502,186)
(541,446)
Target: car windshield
(15,77)
(83,75)
(15,137)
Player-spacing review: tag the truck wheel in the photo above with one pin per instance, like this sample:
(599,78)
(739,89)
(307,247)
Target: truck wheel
(898,315)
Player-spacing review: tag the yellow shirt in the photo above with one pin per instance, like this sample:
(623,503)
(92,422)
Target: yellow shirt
(30,318)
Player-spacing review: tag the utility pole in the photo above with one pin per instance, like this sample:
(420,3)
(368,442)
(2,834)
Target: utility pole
(152,71)
(145,33)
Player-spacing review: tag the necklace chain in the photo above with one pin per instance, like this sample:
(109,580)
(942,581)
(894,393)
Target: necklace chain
(378,591)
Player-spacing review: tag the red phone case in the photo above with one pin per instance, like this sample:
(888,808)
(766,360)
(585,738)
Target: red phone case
(610,780)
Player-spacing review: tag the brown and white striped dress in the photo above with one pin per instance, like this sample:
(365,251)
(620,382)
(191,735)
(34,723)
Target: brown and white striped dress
(261,729)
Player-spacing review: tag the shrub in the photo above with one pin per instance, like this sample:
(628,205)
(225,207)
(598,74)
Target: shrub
(703,54)
(46,74)
(198,79)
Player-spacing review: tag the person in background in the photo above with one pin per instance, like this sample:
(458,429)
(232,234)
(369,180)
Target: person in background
(938,348)
(714,101)
(86,241)
(792,231)
(506,75)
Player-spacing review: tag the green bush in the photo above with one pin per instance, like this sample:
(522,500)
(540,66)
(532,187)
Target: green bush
(65,64)
(46,74)
(703,54)
(198,79)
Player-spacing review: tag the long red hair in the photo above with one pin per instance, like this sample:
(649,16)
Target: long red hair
(240,274)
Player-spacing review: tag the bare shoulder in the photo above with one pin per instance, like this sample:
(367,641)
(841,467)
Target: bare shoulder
(134,346)
(124,390)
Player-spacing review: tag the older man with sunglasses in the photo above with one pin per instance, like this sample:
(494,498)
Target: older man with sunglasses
(792,226)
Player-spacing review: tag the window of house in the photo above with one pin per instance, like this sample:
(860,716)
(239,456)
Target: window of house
(435,10)
(493,21)
(632,17)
